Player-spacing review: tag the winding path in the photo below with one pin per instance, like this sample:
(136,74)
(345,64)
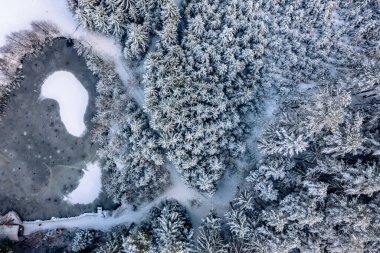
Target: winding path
(125,214)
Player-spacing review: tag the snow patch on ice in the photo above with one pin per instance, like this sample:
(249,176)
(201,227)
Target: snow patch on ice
(72,98)
(89,186)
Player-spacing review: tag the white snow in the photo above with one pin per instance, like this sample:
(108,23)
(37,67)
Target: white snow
(88,221)
(17,14)
(89,186)
(72,98)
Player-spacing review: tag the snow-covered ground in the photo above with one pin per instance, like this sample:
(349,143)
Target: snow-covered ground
(89,186)
(16,15)
(204,203)
(72,99)
(89,221)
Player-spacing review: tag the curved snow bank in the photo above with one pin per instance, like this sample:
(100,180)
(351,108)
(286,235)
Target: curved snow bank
(89,186)
(72,98)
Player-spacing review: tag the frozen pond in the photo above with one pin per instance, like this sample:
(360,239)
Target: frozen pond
(72,99)
(42,158)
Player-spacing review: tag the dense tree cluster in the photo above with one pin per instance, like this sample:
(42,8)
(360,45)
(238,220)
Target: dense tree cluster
(135,22)
(316,188)
(133,159)
(318,196)
(232,53)
(197,91)
(19,45)
(321,200)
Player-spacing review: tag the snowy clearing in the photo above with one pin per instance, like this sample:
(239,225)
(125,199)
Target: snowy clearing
(89,186)
(72,98)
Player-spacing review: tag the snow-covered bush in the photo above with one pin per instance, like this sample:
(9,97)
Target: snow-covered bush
(113,245)
(82,240)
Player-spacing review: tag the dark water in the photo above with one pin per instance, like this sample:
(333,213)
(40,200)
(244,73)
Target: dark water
(39,160)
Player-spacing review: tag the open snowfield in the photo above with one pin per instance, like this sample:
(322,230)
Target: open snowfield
(72,98)
(89,186)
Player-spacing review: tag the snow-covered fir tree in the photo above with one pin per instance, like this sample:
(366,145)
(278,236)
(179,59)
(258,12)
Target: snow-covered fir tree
(82,240)
(210,238)
(171,227)
(113,245)
(139,241)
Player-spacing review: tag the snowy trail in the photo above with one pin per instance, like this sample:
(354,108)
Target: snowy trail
(219,201)
(125,215)
(87,221)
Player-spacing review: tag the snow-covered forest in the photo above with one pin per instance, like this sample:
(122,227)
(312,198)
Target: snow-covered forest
(224,125)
